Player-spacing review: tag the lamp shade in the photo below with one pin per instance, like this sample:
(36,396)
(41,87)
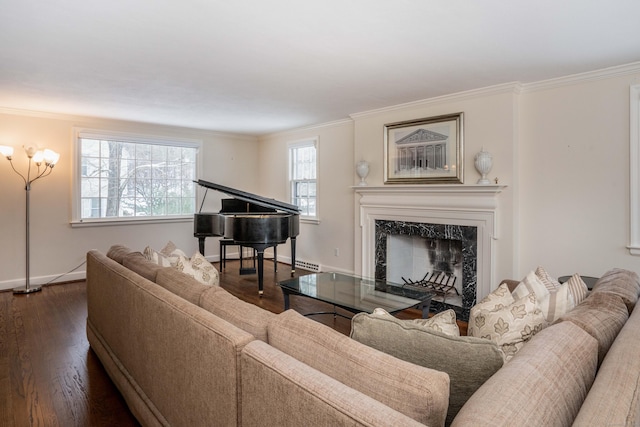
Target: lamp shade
(51,157)
(38,157)
(6,151)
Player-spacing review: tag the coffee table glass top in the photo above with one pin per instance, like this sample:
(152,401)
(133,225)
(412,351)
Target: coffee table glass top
(356,294)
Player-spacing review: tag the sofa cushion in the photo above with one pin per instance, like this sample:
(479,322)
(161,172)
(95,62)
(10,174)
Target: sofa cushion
(416,391)
(117,253)
(614,398)
(509,326)
(577,288)
(443,322)
(199,268)
(136,262)
(469,361)
(246,316)
(602,315)
(623,283)
(278,390)
(543,385)
(180,284)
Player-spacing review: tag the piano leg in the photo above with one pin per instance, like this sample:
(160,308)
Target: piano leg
(293,256)
(201,245)
(260,271)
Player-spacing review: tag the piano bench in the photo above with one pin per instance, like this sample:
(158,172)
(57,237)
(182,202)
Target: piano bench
(223,254)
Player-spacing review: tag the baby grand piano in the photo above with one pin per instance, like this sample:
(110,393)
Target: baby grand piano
(249,220)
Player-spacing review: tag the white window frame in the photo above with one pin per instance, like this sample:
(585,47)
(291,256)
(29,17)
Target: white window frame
(634,170)
(313,141)
(78,221)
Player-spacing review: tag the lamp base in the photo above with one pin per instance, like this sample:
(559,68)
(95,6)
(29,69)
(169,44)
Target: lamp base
(25,290)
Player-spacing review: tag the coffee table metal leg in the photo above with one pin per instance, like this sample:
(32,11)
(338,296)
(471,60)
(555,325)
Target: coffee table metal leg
(285,295)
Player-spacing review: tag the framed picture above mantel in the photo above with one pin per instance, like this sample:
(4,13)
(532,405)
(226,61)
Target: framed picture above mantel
(425,151)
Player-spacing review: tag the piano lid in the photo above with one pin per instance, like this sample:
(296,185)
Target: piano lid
(251,198)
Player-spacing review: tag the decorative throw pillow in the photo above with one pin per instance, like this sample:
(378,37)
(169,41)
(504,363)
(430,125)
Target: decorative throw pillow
(511,326)
(549,282)
(577,288)
(198,268)
(444,322)
(496,300)
(156,257)
(166,257)
(553,304)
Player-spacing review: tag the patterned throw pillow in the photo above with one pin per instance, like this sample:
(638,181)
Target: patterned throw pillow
(577,288)
(509,326)
(549,282)
(156,257)
(198,268)
(444,322)
(166,257)
(496,300)
(553,304)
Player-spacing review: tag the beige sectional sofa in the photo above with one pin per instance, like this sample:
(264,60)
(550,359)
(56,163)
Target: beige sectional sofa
(183,353)
(186,354)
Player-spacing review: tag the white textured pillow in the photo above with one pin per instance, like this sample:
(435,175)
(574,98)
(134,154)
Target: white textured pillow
(509,326)
(549,282)
(156,257)
(198,268)
(444,322)
(553,304)
(577,288)
(166,257)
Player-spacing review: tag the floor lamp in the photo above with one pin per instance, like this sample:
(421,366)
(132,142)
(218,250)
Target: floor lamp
(44,161)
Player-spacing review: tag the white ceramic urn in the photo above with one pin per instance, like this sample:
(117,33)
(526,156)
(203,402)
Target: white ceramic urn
(483,162)
(362,169)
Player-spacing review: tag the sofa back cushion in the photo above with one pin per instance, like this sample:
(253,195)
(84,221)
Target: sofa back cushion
(469,361)
(180,284)
(418,392)
(543,385)
(278,390)
(602,315)
(118,252)
(623,283)
(614,398)
(246,316)
(136,262)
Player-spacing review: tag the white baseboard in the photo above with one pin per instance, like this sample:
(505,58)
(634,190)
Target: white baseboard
(44,280)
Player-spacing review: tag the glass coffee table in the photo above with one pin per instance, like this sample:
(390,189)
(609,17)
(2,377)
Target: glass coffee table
(356,294)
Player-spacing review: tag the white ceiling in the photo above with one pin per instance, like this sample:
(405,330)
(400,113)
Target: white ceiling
(261,66)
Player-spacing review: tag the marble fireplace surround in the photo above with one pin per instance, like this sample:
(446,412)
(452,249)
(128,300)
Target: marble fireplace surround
(459,205)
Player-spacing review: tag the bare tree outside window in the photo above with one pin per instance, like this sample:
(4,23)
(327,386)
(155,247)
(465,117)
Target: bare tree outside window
(134,179)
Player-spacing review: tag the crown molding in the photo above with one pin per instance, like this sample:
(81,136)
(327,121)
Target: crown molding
(513,87)
(604,73)
(306,129)
(101,122)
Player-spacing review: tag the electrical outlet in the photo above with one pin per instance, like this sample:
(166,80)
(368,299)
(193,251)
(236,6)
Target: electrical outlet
(336,252)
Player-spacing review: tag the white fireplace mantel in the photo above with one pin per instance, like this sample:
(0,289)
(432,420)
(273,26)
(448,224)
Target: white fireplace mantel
(469,205)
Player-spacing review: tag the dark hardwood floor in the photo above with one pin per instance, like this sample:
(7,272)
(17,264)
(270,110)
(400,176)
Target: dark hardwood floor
(50,377)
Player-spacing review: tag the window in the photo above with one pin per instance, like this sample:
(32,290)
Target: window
(130,177)
(302,177)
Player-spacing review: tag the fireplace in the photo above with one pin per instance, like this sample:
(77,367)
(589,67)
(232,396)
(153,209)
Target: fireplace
(440,257)
(420,222)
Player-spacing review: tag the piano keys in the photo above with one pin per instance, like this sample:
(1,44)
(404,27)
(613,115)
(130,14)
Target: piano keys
(249,220)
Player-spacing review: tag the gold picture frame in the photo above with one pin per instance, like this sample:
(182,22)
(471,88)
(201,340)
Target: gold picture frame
(425,151)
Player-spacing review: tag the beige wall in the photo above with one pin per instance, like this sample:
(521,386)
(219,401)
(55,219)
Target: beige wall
(56,247)
(561,147)
(574,169)
(317,242)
